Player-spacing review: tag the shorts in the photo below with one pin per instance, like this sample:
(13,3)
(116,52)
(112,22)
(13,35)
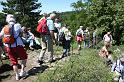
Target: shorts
(15,53)
(79,39)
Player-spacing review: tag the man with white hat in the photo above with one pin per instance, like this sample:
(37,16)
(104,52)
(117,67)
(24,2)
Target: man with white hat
(15,50)
(79,36)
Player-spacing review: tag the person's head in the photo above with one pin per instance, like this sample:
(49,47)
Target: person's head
(10,18)
(81,27)
(122,60)
(108,33)
(109,52)
(45,14)
(52,15)
(24,29)
(56,20)
(29,29)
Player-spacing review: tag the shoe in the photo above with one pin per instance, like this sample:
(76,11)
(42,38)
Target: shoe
(31,48)
(23,74)
(17,77)
(40,62)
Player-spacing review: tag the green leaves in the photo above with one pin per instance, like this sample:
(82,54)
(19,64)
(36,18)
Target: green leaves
(25,11)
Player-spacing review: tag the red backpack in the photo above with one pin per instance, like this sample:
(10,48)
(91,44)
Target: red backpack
(42,26)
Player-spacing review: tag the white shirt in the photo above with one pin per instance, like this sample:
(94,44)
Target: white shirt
(107,38)
(80,30)
(66,32)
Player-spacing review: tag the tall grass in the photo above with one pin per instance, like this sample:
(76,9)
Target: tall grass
(85,67)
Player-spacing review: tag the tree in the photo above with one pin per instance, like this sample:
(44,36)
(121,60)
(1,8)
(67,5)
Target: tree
(24,10)
(103,14)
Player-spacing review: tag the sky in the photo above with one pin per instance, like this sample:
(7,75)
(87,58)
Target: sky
(56,5)
(53,5)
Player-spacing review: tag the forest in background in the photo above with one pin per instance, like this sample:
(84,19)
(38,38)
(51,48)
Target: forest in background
(105,15)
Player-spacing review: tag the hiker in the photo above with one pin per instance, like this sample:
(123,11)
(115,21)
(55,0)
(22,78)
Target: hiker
(28,38)
(57,28)
(47,39)
(94,37)
(66,40)
(108,39)
(107,55)
(86,38)
(79,37)
(3,50)
(14,45)
(118,69)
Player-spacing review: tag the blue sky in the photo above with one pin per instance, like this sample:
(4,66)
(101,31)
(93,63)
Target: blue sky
(54,5)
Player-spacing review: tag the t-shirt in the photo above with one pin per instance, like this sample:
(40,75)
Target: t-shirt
(107,38)
(66,32)
(50,24)
(80,31)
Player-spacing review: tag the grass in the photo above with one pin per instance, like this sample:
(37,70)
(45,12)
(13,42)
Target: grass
(84,67)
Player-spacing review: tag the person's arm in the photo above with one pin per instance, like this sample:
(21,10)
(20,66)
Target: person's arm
(1,33)
(113,67)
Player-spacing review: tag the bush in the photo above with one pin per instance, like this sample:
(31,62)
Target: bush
(85,67)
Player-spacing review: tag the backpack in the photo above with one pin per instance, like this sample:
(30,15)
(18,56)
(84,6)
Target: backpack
(61,36)
(8,37)
(86,35)
(42,26)
(79,33)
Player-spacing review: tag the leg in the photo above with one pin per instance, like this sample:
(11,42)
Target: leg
(13,60)
(23,56)
(43,50)
(49,48)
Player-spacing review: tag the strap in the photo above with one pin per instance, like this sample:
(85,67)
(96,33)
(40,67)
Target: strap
(12,32)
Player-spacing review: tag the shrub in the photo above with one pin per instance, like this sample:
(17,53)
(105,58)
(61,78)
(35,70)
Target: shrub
(85,67)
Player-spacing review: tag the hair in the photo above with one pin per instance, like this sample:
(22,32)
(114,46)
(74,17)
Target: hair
(109,52)
(52,15)
(10,18)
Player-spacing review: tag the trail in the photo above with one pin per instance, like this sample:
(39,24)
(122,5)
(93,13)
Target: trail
(34,69)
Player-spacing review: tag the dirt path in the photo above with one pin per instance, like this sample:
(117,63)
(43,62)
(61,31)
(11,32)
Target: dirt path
(33,68)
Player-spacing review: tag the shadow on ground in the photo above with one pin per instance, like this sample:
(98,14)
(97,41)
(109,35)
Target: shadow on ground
(4,68)
(35,70)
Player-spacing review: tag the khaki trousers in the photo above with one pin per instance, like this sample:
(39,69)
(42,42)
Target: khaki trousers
(47,48)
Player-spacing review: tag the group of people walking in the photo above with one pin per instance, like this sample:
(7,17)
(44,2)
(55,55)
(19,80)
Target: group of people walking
(117,66)
(15,37)
(83,35)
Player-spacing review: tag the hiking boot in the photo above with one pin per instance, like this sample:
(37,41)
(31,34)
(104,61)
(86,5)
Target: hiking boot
(17,77)
(40,62)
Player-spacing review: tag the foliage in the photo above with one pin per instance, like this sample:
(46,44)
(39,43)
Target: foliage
(104,14)
(25,11)
(85,67)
